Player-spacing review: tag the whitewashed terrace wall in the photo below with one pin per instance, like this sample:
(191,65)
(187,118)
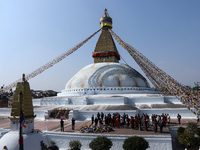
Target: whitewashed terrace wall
(86,115)
(171,99)
(5,111)
(108,90)
(173,112)
(50,101)
(157,142)
(39,113)
(108,101)
(143,99)
(81,114)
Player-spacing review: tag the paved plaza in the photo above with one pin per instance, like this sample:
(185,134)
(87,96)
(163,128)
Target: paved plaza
(54,126)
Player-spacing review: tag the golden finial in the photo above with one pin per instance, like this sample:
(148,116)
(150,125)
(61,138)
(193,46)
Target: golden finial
(23,77)
(106,20)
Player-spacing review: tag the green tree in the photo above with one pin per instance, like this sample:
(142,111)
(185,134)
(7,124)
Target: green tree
(101,143)
(186,138)
(135,143)
(180,131)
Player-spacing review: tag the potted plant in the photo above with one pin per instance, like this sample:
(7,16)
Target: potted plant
(135,143)
(75,145)
(101,143)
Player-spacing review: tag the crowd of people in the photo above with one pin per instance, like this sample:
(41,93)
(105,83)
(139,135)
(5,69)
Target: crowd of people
(138,122)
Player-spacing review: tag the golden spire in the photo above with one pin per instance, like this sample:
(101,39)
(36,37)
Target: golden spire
(27,106)
(105,50)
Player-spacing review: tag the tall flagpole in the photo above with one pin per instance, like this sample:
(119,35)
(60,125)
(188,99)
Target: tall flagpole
(20,120)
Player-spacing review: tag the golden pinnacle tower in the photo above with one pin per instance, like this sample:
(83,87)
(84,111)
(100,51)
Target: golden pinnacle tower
(26,106)
(105,50)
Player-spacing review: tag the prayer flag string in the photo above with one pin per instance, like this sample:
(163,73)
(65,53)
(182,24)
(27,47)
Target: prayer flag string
(51,63)
(161,80)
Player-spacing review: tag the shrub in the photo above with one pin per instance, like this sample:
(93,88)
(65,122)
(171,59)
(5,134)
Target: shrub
(135,143)
(186,138)
(75,145)
(101,143)
(180,131)
(192,127)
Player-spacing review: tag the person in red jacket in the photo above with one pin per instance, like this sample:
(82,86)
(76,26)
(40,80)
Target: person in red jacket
(113,122)
(106,120)
(117,122)
(132,122)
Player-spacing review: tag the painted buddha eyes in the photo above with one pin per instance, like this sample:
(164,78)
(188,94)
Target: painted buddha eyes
(102,58)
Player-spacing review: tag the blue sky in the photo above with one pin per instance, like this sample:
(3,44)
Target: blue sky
(34,32)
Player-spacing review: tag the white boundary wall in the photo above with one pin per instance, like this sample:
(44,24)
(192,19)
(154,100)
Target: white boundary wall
(157,142)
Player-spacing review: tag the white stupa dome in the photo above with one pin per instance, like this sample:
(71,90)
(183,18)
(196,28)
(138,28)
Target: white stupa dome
(108,76)
(32,141)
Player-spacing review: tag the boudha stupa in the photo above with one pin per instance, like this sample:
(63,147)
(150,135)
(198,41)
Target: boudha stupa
(109,86)
(106,75)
